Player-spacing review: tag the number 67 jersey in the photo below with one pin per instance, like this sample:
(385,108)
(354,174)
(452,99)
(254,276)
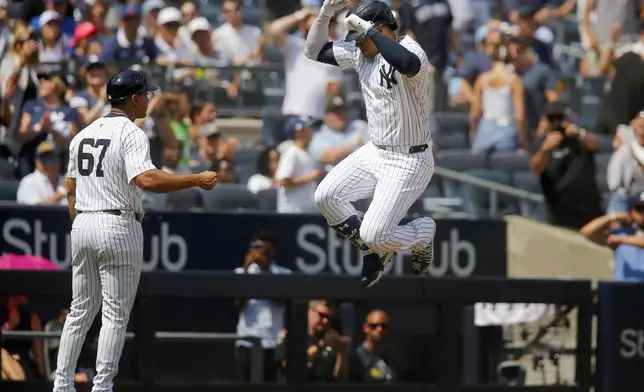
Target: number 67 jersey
(104,158)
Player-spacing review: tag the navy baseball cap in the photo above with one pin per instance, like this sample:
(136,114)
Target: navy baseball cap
(132,11)
(297,124)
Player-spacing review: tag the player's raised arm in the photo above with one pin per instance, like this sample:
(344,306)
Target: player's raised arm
(317,45)
(402,59)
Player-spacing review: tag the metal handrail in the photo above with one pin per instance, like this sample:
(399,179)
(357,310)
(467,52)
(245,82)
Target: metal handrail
(257,352)
(493,187)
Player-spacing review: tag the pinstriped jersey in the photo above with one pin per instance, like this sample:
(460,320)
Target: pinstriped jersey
(104,158)
(397,105)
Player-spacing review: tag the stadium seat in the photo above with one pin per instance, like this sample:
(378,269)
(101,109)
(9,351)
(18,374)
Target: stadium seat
(199,168)
(154,201)
(230,197)
(589,111)
(267,199)
(185,200)
(8,189)
(602,182)
(477,199)
(605,143)
(460,160)
(601,162)
(530,182)
(247,156)
(244,172)
(450,123)
(450,141)
(510,162)
(7,170)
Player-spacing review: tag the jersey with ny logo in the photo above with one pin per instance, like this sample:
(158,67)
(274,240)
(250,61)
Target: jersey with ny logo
(397,105)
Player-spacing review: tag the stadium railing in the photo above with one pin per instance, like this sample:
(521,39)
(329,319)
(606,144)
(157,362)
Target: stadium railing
(450,295)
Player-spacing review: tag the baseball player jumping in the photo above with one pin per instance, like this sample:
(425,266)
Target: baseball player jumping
(109,165)
(397,165)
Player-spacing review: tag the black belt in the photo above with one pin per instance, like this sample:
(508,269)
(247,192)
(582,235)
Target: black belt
(138,217)
(412,149)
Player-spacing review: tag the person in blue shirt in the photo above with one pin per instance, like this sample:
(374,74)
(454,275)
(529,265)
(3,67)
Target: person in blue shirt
(128,45)
(67,23)
(336,138)
(624,232)
(46,118)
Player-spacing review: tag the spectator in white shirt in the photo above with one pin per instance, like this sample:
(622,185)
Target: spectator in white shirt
(151,9)
(296,174)
(44,186)
(266,166)
(5,28)
(203,54)
(172,50)
(336,139)
(308,82)
(51,48)
(259,317)
(240,43)
(189,11)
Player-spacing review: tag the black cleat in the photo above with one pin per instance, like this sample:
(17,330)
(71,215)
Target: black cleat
(373,268)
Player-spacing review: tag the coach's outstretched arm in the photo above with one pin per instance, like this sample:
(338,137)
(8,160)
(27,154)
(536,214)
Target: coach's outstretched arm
(318,47)
(145,175)
(401,58)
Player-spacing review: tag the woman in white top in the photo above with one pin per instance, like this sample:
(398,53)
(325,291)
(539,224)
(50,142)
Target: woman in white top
(497,116)
(51,48)
(266,166)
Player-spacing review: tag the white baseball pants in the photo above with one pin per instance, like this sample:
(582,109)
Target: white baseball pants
(107,254)
(395,180)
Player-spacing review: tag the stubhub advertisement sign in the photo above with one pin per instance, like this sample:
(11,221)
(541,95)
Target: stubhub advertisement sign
(203,241)
(620,343)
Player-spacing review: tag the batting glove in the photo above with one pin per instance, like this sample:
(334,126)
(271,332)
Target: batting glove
(330,7)
(356,23)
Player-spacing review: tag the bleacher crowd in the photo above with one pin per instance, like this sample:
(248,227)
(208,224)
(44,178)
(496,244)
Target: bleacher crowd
(516,102)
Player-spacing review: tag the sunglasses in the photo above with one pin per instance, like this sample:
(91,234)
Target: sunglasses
(323,315)
(375,326)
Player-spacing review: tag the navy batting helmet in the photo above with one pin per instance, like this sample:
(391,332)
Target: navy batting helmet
(374,11)
(126,84)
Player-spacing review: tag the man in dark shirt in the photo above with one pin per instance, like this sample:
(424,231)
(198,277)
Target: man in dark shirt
(371,362)
(326,348)
(626,96)
(566,163)
(430,23)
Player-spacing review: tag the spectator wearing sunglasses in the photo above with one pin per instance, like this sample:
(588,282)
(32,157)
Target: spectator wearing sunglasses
(259,317)
(371,362)
(43,186)
(327,350)
(624,233)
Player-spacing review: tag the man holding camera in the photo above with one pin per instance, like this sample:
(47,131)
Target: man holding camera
(259,317)
(565,161)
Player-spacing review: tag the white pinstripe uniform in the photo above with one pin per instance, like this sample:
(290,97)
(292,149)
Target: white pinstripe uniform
(107,250)
(398,111)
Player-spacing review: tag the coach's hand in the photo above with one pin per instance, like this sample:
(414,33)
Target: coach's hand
(356,23)
(330,7)
(207,180)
